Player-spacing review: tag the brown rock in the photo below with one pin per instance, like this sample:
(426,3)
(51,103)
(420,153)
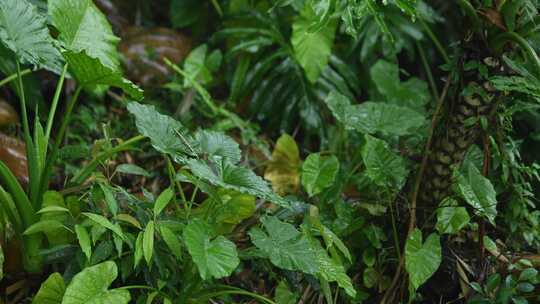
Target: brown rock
(13,154)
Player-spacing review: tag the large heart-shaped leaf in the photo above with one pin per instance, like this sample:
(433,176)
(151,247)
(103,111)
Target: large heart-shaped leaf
(479,193)
(450,217)
(214,143)
(83,27)
(422,259)
(383,167)
(90,286)
(90,72)
(51,291)
(319,172)
(24,31)
(215,258)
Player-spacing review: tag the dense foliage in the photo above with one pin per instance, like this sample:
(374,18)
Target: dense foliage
(287,151)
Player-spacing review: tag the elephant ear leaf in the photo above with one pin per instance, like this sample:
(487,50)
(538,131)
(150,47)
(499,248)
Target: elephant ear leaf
(92,286)
(24,31)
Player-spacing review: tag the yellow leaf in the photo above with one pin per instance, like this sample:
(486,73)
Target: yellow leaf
(283,171)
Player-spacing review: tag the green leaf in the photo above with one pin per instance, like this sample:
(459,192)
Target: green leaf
(112,204)
(90,72)
(451,218)
(312,49)
(84,240)
(91,286)
(422,259)
(138,250)
(24,31)
(185,12)
(370,277)
(148,242)
(166,134)
(2,259)
(214,143)
(373,117)
(104,222)
(45,226)
(195,66)
(284,295)
(51,291)
(54,200)
(285,246)
(163,199)
(132,169)
(215,258)
(52,209)
(224,174)
(83,27)
(172,241)
(319,172)
(383,166)
(479,193)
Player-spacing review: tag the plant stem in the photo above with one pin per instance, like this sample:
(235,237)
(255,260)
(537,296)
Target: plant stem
(54,105)
(429,75)
(26,128)
(438,44)
(92,165)
(14,76)
(501,39)
(471,12)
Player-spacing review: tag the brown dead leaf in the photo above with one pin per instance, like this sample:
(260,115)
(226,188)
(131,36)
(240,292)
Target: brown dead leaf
(283,171)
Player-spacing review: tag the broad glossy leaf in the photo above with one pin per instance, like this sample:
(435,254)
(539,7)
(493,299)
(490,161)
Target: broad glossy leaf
(450,217)
(283,171)
(90,286)
(163,200)
(51,291)
(224,174)
(285,246)
(422,259)
(479,193)
(215,258)
(373,117)
(84,240)
(332,271)
(148,242)
(312,49)
(166,134)
(383,166)
(214,143)
(90,72)
(83,27)
(319,172)
(172,241)
(24,31)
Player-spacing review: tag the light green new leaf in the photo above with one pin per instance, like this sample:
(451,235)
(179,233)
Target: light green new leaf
(104,222)
(148,242)
(90,72)
(450,217)
(51,291)
(422,259)
(84,240)
(372,117)
(214,143)
(163,199)
(195,66)
(45,226)
(383,166)
(285,246)
(166,134)
(83,27)
(90,286)
(319,172)
(24,31)
(479,193)
(172,241)
(215,258)
(54,200)
(312,49)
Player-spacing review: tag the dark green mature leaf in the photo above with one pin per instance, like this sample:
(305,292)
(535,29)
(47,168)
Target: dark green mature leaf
(332,271)
(214,143)
(185,12)
(84,240)
(170,238)
(312,49)
(224,174)
(83,27)
(383,166)
(422,259)
(215,258)
(283,295)
(451,218)
(479,193)
(372,117)
(51,291)
(319,172)
(163,200)
(90,72)
(91,286)
(166,134)
(285,246)
(24,31)
(104,222)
